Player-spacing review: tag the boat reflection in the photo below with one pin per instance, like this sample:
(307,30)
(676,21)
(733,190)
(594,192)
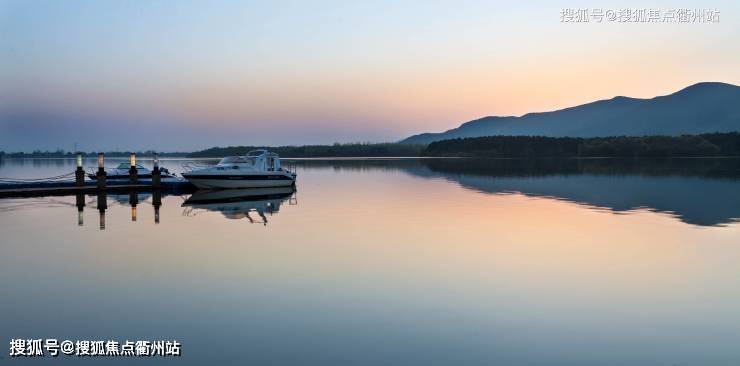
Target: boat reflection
(237,204)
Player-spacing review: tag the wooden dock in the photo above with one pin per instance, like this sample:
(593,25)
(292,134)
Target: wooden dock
(53,186)
(8,190)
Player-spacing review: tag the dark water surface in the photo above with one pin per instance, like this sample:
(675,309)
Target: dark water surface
(392,262)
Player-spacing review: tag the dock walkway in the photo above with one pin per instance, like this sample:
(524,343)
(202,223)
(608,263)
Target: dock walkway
(61,188)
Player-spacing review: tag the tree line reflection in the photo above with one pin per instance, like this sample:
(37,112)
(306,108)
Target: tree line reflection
(697,191)
(703,192)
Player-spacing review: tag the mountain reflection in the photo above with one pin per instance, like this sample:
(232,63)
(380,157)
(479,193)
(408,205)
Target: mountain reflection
(703,192)
(253,204)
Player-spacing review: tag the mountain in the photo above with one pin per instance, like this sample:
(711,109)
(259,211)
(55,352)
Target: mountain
(700,108)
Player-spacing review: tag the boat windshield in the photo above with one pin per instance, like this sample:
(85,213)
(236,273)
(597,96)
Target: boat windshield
(127,166)
(236,160)
(255,152)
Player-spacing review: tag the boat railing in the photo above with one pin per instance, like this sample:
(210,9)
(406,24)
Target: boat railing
(193,165)
(289,166)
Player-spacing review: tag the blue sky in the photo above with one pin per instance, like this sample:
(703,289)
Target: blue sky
(183,75)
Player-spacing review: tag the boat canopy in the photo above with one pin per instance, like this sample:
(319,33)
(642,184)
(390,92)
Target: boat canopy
(127,165)
(236,160)
(256,152)
(256,159)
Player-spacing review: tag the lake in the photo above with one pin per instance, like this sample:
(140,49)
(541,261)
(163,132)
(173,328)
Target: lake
(391,262)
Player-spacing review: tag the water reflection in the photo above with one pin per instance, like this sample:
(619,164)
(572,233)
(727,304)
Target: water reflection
(237,204)
(253,204)
(703,192)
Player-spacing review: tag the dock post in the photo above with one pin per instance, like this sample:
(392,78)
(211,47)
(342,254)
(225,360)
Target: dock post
(79,173)
(102,206)
(156,173)
(132,173)
(80,201)
(101,175)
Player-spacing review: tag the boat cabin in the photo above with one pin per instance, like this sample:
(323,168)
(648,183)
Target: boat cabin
(255,159)
(127,166)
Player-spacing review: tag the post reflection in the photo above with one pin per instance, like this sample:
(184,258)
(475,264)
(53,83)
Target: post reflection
(80,203)
(133,200)
(157,203)
(102,206)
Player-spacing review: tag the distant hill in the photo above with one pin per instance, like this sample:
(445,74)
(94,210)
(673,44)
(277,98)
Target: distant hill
(319,151)
(700,108)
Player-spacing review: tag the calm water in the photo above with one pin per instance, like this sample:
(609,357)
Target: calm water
(393,262)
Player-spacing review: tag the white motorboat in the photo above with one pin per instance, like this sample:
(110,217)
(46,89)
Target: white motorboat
(122,172)
(257,169)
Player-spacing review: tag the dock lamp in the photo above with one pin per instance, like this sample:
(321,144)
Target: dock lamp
(132,172)
(79,173)
(100,175)
(156,173)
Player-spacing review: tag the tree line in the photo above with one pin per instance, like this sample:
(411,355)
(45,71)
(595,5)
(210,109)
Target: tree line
(712,144)
(69,154)
(319,151)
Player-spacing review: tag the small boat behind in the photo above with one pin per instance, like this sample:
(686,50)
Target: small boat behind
(257,169)
(121,172)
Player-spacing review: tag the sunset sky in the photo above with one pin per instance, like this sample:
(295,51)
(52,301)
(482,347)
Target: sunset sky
(186,75)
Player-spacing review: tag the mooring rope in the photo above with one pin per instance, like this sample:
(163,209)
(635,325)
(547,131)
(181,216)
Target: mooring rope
(36,180)
(192,165)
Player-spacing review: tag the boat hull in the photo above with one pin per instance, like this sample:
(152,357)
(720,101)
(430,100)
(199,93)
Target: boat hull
(240,181)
